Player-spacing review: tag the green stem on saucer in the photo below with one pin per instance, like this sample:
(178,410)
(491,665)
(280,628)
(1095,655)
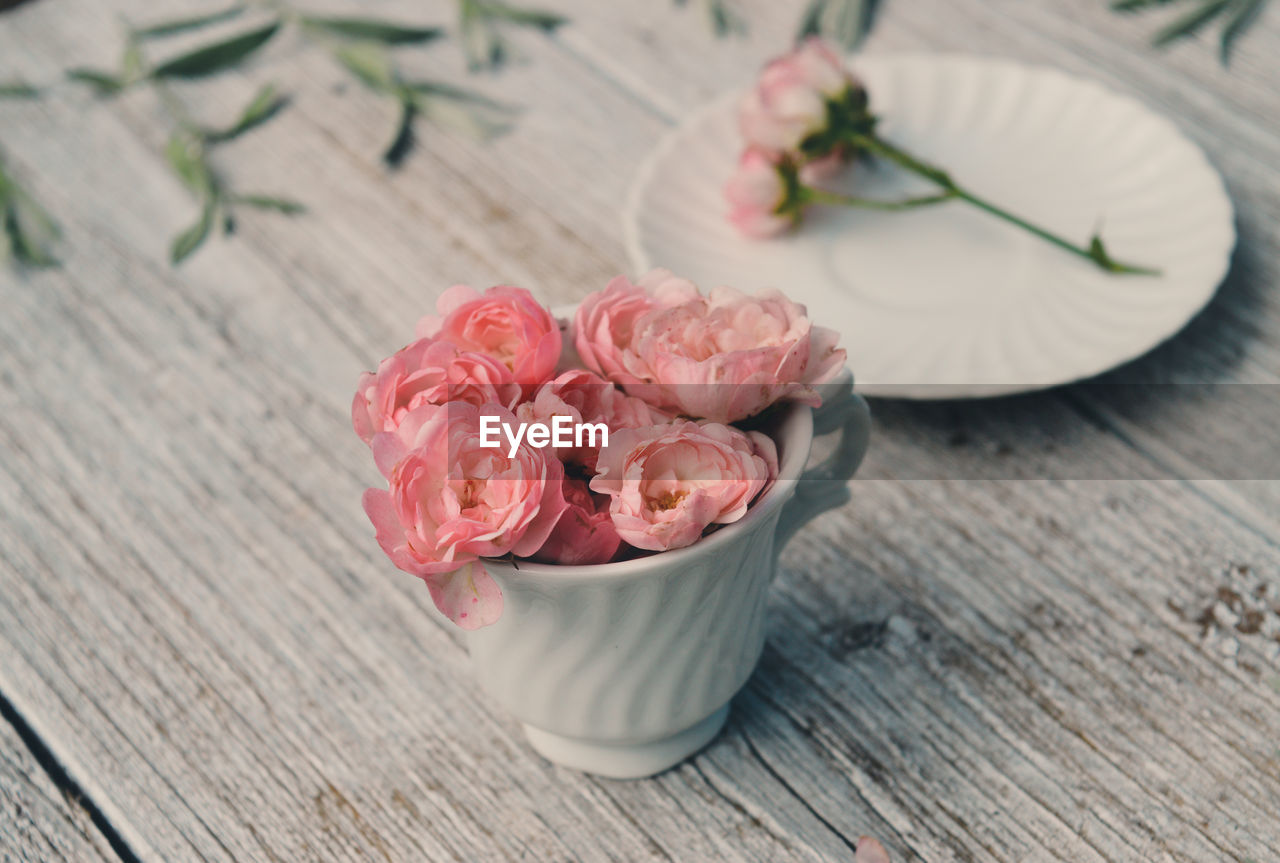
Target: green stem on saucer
(812,195)
(1095,251)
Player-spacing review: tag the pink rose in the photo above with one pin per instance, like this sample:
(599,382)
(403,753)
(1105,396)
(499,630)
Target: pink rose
(505,323)
(585,397)
(452,501)
(730,356)
(668,483)
(724,357)
(789,102)
(759,197)
(585,534)
(603,323)
(820,66)
(427,372)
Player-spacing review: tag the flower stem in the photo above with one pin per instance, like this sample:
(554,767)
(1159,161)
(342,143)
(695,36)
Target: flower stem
(822,196)
(1094,252)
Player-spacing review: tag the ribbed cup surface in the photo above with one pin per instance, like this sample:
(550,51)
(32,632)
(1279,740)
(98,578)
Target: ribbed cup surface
(635,657)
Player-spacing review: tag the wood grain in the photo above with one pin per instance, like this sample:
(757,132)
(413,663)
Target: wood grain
(39,821)
(992,654)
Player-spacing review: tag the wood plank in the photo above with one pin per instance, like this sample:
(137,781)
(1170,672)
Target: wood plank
(194,606)
(38,820)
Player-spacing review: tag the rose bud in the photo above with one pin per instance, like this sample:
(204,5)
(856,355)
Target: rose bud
(762,195)
(793,98)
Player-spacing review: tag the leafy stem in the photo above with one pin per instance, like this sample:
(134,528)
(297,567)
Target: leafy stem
(360,44)
(188,154)
(1095,251)
(1237,16)
(371,65)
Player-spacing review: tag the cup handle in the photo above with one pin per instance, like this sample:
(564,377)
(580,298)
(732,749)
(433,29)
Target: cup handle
(826,486)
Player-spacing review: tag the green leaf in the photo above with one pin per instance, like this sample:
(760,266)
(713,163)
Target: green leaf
(810,20)
(27,232)
(192,238)
(186,156)
(103,83)
(402,140)
(369,62)
(1097,251)
(32,232)
(524,17)
(267,202)
(1099,255)
(1191,23)
(1240,20)
(132,63)
(265,105)
(724,21)
(386,32)
(845,22)
(194,22)
(476,118)
(482,42)
(430,89)
(218,56)
(446,105)
(17,89)
(1135,5)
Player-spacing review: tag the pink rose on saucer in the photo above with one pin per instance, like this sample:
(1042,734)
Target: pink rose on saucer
(758,196)
(790,98)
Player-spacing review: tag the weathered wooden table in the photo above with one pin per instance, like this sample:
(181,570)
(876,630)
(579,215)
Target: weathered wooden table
(1043,630)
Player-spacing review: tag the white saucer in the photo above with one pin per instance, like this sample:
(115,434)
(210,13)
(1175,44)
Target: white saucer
(948,302)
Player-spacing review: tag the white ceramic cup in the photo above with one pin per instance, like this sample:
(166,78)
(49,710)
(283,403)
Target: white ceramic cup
(625,669)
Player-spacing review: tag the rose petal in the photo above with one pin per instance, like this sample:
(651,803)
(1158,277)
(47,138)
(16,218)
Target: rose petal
(468,596)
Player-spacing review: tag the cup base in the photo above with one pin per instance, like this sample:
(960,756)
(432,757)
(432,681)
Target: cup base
(626,760)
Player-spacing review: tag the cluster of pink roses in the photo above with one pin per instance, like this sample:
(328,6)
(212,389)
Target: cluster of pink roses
(664,368)
(796,124)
